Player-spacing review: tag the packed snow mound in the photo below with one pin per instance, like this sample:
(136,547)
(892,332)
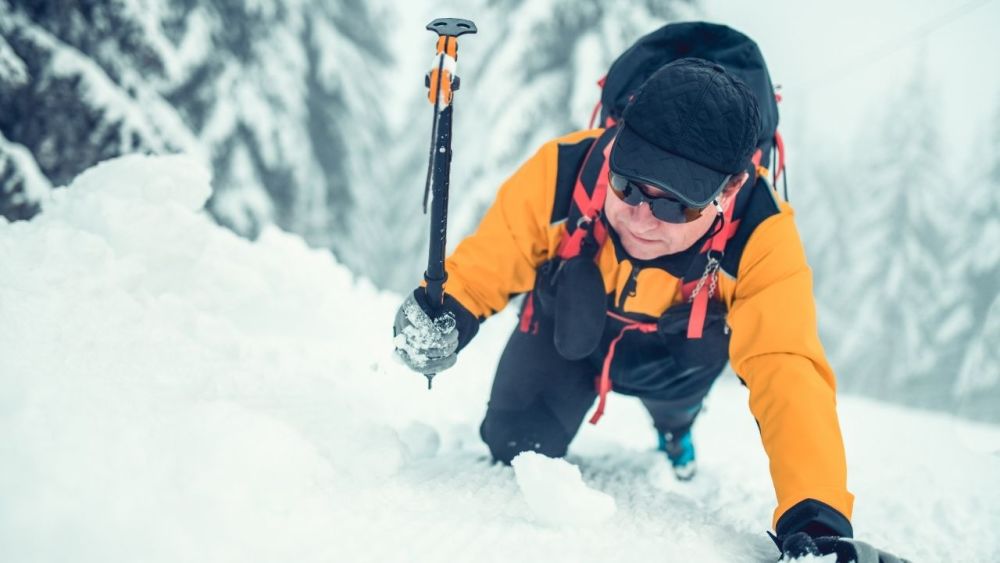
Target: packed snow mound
(171,392)
(158,180)
(556,493)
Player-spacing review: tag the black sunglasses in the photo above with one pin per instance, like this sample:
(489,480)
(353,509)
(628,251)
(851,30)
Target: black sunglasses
(664,207)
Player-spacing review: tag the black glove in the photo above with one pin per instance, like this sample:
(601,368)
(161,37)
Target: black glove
(801,544)
(428,339)
(713,344)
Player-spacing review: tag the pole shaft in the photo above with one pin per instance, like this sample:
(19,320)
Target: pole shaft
(436,275)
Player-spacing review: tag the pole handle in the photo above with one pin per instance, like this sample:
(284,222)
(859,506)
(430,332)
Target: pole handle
(452,27)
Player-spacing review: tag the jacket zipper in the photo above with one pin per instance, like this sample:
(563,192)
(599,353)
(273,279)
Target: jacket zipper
(629,289)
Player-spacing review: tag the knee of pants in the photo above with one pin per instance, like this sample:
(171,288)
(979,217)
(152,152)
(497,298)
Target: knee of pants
(510,432)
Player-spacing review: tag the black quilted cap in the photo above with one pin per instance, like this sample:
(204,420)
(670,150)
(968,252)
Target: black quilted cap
(690,126)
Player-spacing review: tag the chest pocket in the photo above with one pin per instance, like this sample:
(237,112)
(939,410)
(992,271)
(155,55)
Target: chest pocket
(648,291)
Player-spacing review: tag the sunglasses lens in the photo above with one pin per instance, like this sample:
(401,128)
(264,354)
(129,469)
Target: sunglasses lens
(617,182)
(664,208)
(669,211)
(625,190)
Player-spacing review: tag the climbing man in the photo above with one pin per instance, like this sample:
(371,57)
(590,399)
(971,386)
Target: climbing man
(652,252)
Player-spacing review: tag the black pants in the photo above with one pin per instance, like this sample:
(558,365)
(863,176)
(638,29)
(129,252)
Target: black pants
(539,399)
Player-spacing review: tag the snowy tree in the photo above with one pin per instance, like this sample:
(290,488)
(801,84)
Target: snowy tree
(71,96)
(276,95)
(899,248)
(284,95)
(823,205)
(972,345)
(21,182)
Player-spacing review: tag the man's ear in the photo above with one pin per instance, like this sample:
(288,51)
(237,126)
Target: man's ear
(734,185)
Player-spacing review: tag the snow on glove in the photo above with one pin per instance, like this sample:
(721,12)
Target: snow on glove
(801,544)
(428,340)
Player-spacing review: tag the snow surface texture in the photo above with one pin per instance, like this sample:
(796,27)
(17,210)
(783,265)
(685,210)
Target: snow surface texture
(556,493)
(171,392)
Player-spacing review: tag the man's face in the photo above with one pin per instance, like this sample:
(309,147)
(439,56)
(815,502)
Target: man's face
(645,237)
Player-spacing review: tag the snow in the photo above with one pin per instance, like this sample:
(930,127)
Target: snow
(555,492)
(171,392)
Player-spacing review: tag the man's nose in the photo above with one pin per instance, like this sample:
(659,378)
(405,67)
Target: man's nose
(642,215)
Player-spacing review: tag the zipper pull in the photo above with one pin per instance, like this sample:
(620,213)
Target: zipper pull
(629,289)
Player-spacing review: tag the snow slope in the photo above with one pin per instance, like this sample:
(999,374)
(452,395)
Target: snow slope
(170,392)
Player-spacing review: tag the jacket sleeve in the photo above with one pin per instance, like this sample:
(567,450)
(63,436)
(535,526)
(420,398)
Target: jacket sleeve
(775,349)
(499,259)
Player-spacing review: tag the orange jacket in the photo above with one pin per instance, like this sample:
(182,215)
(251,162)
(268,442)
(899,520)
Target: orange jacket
(774,347)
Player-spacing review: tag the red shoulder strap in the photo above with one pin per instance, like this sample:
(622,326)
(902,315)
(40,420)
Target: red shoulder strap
(715,248)
(588,198)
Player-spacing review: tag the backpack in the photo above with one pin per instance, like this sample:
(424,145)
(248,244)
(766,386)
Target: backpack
(736,52)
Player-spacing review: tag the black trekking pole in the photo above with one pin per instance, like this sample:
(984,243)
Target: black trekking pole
(442,84)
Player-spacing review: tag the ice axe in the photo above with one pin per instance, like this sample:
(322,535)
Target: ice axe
(441,84)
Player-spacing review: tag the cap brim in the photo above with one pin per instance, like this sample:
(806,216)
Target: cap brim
(638,159)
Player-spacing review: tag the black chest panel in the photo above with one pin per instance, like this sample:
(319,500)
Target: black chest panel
(664,364)
(753,205)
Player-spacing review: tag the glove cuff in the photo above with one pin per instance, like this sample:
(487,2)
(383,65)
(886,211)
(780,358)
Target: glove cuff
(466,323)
(815,518)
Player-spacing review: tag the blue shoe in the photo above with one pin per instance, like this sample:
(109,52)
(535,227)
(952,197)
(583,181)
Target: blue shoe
(680,452)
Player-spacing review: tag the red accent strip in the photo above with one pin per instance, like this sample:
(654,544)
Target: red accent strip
(569,246)
(756,158)
(597,107)
(628,321)
(601,188)
(583,201)
(696,322)
(779,142)
(688,288)
(593,114)
(528,314)
(589,207)
(600,233)
(699,310)
(728,231)
(604,382)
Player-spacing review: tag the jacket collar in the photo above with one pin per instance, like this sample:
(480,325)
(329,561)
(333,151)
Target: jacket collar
(676,265)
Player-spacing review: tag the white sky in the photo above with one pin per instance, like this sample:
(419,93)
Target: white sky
(836,60)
